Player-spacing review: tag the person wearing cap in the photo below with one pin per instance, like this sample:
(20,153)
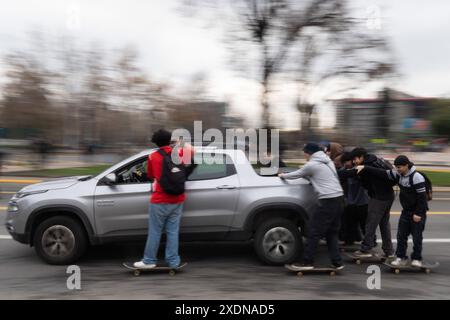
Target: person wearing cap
(414,204)
(325,222)
(356,200)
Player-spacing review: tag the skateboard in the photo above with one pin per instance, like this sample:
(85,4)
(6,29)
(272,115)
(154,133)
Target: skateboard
(426,267)
(349,248)
(331,271)
(138,271)
(377,258)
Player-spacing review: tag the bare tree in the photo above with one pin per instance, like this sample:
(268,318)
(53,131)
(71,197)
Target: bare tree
(271,29)
(347,55)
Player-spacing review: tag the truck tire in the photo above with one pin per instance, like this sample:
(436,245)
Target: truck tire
(278,241)
(60,240)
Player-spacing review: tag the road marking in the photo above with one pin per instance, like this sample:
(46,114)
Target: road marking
(19,181)
(7,192)
(428,213)
(2,237)
(3,208)
(436,240)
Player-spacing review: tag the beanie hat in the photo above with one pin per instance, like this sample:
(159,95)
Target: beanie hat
(311,148)
(402,161)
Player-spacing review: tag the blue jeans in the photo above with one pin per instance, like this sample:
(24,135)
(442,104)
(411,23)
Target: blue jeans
(163,217)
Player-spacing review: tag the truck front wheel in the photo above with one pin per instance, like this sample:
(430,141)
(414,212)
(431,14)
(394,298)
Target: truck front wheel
(278,241)
(60,240)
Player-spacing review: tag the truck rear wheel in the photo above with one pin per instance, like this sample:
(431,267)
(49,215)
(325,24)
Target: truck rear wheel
(60,240)
(278,241)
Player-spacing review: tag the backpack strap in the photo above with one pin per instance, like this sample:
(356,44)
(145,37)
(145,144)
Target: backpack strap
(411,179)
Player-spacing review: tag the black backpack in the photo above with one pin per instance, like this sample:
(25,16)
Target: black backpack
(428,184)
(383,164)
(173,176)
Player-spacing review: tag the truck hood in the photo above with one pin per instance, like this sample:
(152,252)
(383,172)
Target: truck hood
(52,184)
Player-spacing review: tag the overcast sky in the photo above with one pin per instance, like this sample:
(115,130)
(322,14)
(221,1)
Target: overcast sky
(174,48)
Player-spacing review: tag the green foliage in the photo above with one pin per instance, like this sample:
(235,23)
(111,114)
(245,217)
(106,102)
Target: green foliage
(440,118)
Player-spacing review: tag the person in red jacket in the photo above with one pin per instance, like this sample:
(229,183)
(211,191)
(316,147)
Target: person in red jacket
(165,209)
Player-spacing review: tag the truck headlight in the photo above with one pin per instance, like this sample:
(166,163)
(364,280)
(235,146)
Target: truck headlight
(12,207)
(20,195)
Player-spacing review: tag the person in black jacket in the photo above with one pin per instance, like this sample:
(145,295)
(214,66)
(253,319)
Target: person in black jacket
(381,197)
(414,203)
(356,200)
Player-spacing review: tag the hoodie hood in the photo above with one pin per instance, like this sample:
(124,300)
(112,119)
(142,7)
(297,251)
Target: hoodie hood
(410,171)
(320,156)
(335,150)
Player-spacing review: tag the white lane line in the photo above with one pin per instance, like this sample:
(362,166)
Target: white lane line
(3,237)
(431,240)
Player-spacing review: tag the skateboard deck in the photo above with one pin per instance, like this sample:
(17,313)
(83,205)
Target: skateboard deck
(138,271)
(426,267)
(359,260)
(300,273)
(349,248)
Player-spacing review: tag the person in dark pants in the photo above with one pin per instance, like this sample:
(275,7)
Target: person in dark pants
(325,222)
(381,197)
(356,200)
(413,199)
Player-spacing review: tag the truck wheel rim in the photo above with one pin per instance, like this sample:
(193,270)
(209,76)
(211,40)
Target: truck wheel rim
(58,241)
(278,243)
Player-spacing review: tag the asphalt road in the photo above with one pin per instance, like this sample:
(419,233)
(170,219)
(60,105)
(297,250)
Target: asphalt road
(219,271)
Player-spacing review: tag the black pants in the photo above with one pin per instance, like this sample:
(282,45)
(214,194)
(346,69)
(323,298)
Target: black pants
(353,223)
(406,227)
(325,222)
(378,215)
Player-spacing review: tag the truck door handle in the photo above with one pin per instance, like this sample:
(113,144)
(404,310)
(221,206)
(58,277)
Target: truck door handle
(226,186)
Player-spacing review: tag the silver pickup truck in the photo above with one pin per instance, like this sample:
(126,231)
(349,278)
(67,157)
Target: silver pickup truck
(227,201)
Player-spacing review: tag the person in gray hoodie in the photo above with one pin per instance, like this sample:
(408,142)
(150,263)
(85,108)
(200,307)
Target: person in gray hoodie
(325,222)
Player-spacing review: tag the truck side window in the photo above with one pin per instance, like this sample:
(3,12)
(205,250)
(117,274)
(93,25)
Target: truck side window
(208,171)
(135,172)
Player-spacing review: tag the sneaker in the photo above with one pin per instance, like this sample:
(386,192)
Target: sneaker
(416,263)
(388,256)
(362,254)
(399,262)
(302,266)
(142,265)
(337,265)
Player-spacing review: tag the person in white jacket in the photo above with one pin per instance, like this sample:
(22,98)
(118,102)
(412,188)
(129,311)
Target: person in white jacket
(325,222)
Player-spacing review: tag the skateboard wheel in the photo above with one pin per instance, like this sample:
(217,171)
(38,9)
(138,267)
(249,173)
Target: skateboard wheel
(172,272)
(397,271)
(332,273)
(300,274)
(358,261)
(137,273)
